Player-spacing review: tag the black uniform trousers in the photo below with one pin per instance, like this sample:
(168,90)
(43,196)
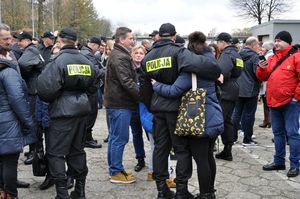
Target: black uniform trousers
(228,136)
(91,118)
(32,104)
(9,173)
(65,143)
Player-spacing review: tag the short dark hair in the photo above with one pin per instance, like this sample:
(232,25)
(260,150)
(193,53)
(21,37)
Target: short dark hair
(121,32)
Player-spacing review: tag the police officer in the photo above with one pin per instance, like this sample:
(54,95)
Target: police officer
(231,65)
(163,64)
(89,52)
(66,83)
(31,64)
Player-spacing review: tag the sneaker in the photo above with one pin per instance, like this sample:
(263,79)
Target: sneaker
(149,177)
(249,143)
(170,182)
(241,133)
(122,178)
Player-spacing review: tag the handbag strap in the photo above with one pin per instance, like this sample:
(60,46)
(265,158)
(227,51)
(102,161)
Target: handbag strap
(194,82)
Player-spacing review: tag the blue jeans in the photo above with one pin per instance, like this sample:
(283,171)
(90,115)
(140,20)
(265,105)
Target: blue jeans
(119,120)
(285,122)
(137,134)
(244,116)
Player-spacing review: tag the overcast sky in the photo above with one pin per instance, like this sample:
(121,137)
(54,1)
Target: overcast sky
(187,15)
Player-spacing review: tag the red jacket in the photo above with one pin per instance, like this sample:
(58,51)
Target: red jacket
(284,83)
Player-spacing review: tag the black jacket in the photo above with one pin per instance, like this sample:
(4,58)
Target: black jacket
(248,82)
(45,52)
(31,66)
(164,63)
(120,88)
(66,83)
(231,65)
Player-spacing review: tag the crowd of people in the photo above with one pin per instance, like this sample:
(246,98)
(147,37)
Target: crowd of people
(50,93)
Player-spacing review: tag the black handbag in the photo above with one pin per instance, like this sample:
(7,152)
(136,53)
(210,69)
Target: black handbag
(191,117)
(39,163)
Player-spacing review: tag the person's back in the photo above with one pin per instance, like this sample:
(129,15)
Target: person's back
(163,64)
(65,83)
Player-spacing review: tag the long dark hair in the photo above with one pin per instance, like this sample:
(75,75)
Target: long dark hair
(197,42)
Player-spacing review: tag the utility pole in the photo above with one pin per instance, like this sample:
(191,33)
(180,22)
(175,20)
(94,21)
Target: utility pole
(32,16)
(0,11)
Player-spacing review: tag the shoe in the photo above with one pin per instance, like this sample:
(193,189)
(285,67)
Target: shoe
(225,154)
(140,165)
(79,192)
(249,143)
(29,159)
(106,139)
(182,191)
(265,125)
(293,172)
(241,133)
(21,184)
(122,178)
(3,194)
(70,183)
(272,166)
(8,196)
(253,136)
(92,144)
(149,177)
(26,153)
(171,183)
(46,184)
(164,191)
(204,196)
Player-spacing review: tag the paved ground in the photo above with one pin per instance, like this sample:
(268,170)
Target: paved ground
(241,178)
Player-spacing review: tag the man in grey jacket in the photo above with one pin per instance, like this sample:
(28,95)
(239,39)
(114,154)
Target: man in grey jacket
(245,108)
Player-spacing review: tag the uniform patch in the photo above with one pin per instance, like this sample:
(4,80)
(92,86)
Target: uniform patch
(79,69)
(157,64)
(239,62)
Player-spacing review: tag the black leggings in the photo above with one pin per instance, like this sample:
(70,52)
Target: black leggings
(8,173)
(202,152)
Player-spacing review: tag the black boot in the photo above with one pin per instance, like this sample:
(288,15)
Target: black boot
(164,191)
(70,182)
(182,191)
(79,192)
(226,153)
(204,196)
(48,182)
(140,165)
(61,189)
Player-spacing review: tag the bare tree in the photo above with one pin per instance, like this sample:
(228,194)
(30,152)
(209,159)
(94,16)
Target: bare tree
(276,7)
(259,9)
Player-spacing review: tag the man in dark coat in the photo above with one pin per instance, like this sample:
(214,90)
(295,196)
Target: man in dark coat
(89,52)
(231,65)
(245,108)
(121,97)
(31,64)
(66,83)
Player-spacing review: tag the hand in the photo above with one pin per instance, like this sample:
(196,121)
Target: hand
(221,79)
(262,63)
(153,81)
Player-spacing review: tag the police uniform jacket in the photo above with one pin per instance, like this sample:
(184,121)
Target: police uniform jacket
(66,82)
(120,88)
(214,122)
(231,65)
(16,123)
(31,66)
(45,52)
(248,82)
(164,63)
